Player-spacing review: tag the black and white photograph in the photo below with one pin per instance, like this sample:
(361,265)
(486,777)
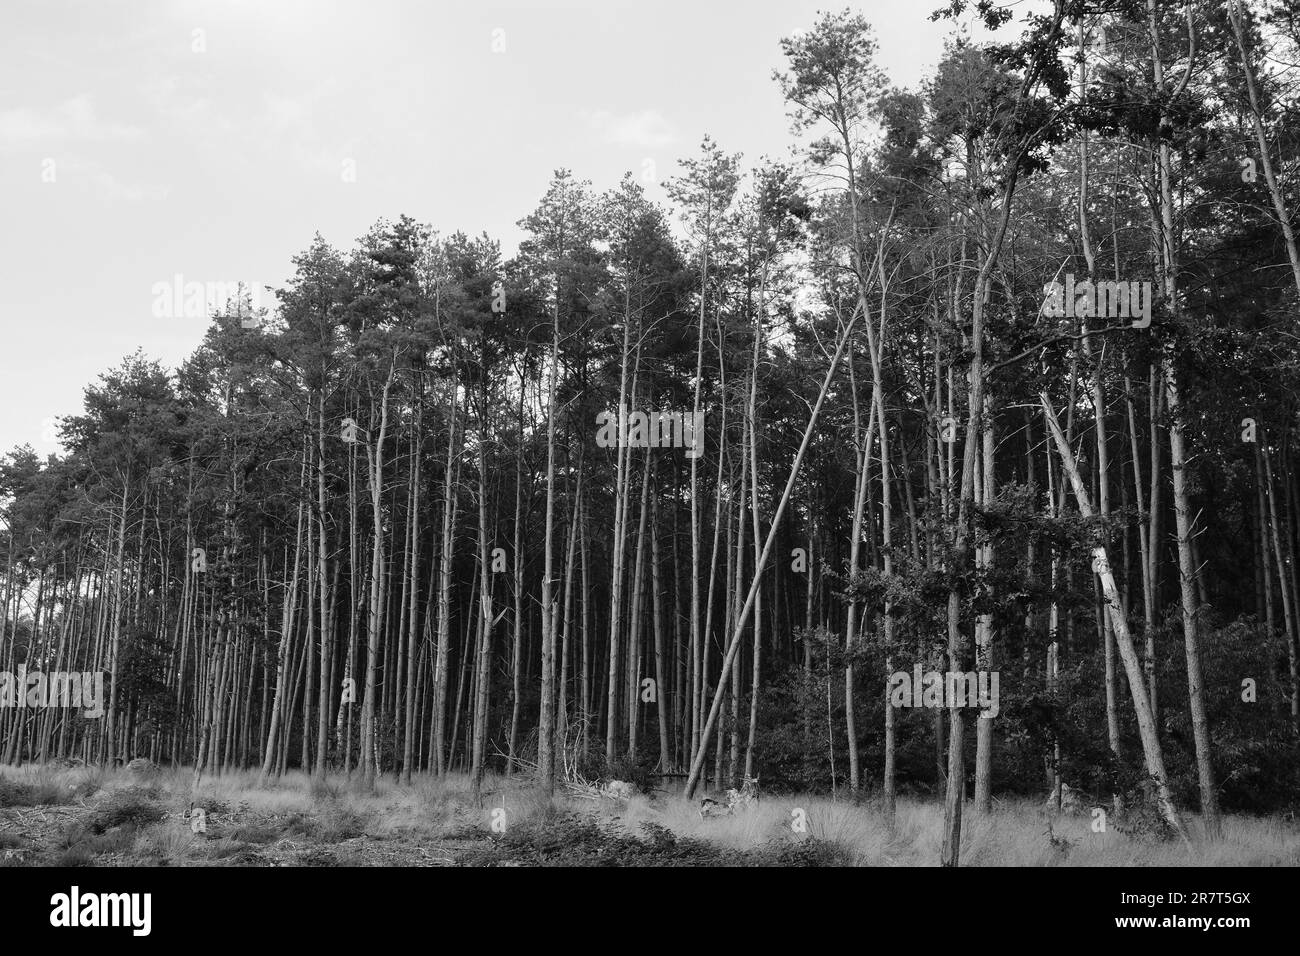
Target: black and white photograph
(784,436)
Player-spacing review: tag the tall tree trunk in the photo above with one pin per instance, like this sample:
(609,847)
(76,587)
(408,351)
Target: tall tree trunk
(733,645)
(1101,563)
(1178,462)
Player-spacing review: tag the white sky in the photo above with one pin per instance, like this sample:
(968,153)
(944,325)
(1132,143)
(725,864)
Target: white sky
(220,165)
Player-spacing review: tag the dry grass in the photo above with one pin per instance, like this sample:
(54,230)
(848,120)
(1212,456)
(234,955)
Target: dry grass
(251,820)
(1015,834)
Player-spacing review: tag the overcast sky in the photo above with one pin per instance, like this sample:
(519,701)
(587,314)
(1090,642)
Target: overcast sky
(145,140)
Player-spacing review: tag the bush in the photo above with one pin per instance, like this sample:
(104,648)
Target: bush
(640,769)
(300,824)
(572,840)
(1141,819)
(805,853)
(128,809)
(79,855)
(16,794)
(335,823)
(255,834)
(339,823)
(79,842)
(43,792)
(324,791)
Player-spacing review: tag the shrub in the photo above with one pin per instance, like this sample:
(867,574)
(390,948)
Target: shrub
(339,822)
(572,840)
(254,833)
(43,792)
(127,808)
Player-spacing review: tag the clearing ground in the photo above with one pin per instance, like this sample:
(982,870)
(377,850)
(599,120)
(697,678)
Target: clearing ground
(92,817)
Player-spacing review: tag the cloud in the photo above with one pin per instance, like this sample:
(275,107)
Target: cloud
(92,175)
(74,120)
(286,112)
(114,190)
(183,112)
(646,129)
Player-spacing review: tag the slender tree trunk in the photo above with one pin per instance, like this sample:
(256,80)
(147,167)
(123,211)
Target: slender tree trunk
(1101,564)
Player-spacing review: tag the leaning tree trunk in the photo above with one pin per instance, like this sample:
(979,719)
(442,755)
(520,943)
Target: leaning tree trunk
(1101,564)
(733,645)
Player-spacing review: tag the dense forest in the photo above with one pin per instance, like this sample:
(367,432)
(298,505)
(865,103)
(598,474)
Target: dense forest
(996,375)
